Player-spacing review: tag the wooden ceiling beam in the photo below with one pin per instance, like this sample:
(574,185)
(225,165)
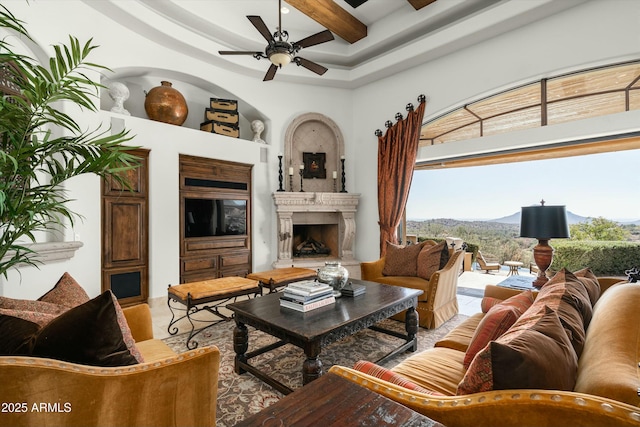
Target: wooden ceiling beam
(332,17)
(419,4)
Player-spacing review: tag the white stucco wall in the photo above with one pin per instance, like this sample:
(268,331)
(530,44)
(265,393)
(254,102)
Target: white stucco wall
(595,33)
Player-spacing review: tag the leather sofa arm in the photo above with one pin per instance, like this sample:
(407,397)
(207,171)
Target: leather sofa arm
(176,391)
(371,270)
(139,321)
(504,407)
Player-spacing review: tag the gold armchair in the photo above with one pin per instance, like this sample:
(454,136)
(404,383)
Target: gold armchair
(438,303)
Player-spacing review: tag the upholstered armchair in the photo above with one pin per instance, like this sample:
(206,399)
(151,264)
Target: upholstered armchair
(438,303)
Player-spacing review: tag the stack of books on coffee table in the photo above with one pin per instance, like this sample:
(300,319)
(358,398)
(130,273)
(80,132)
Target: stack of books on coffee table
(307,295)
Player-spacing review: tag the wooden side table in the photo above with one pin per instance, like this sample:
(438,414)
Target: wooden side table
(332,401)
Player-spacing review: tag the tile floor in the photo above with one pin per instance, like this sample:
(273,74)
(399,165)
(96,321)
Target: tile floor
(470,281)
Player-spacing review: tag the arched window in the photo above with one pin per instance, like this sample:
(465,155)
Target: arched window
(580,95)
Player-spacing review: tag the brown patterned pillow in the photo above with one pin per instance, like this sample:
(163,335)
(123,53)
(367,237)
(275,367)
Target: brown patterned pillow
(36,317)
(31,305)
(127,336)
(432,259)
(67,292)
(535,357)
(401,260)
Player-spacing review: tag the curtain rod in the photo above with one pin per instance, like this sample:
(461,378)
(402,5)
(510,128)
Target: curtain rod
(409,107)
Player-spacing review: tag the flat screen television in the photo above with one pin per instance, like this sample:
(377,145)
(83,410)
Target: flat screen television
(214,217)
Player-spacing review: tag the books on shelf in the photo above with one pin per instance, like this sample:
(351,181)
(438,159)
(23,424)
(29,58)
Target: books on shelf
(307,295)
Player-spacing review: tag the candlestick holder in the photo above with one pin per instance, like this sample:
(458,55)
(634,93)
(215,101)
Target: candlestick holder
(291,182)
(335,185)
(280,177)
(344,180)
(301,172)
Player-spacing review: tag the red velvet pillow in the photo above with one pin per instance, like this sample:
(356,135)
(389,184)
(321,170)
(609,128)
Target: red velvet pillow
(536,357)
(67,292)
(401,260)
(496,322)
(374,370)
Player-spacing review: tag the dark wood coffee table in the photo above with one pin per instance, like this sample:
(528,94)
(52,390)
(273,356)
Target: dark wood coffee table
(318,328)
(333,401)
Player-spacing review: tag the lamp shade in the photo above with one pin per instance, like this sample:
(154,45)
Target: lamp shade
(544,222)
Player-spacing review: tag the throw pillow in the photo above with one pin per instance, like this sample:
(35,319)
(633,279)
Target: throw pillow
(374,370)
(127,336)
(31,305)
(87,334)
(67,292)
(15,334)
(431,259)
(401,260)
(36,317)
(536,357)
(590,282)
(496,322)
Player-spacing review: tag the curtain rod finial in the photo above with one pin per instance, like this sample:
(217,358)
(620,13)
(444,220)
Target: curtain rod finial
(422,98)
(378,133)
(388,124)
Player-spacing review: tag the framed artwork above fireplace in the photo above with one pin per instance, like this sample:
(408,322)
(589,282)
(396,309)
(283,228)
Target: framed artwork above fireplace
(314,165)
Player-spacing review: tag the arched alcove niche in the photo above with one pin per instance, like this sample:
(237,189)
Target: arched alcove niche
(195,90)
(316,134)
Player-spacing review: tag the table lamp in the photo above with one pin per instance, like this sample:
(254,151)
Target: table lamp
(543,223)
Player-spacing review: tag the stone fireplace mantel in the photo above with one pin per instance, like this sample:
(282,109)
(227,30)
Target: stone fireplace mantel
(316,209)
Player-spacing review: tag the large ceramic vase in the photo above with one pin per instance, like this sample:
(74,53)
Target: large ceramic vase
(165,104)
(335,275)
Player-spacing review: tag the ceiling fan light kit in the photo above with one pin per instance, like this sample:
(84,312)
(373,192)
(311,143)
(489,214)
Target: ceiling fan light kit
(279,51)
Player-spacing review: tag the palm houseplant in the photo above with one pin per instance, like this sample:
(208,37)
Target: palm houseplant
(42,145)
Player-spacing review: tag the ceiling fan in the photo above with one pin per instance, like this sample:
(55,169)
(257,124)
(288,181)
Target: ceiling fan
(279,51)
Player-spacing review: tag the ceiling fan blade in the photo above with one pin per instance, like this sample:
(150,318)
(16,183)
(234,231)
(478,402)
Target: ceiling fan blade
(271,73)
(310,65)
(238,52)
(321,37)
(261,27)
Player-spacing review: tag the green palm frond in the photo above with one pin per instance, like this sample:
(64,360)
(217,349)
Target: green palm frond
(34,160)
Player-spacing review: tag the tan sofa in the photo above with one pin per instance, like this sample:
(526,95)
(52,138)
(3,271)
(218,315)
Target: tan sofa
(606,392)
(438,303)
(169,389)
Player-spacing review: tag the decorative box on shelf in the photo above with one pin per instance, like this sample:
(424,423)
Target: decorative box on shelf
(220,128)
(223,104)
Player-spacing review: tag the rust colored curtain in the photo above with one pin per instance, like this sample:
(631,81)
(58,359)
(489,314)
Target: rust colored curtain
(397,153)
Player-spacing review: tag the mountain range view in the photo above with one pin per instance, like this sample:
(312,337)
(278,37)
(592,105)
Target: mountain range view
(515,219)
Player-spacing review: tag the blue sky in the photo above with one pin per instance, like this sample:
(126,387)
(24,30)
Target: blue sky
(606,185)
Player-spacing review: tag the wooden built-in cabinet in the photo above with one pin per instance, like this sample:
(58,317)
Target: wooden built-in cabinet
(125,234)
(215,219)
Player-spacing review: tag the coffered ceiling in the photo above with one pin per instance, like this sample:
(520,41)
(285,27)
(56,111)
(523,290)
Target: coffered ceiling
(373,40)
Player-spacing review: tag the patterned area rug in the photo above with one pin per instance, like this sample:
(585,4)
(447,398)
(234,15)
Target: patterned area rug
(242,395)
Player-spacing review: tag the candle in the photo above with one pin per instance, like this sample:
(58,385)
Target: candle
(290,171)
(335,174)
(279,154)
(341,157)
(301,167)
